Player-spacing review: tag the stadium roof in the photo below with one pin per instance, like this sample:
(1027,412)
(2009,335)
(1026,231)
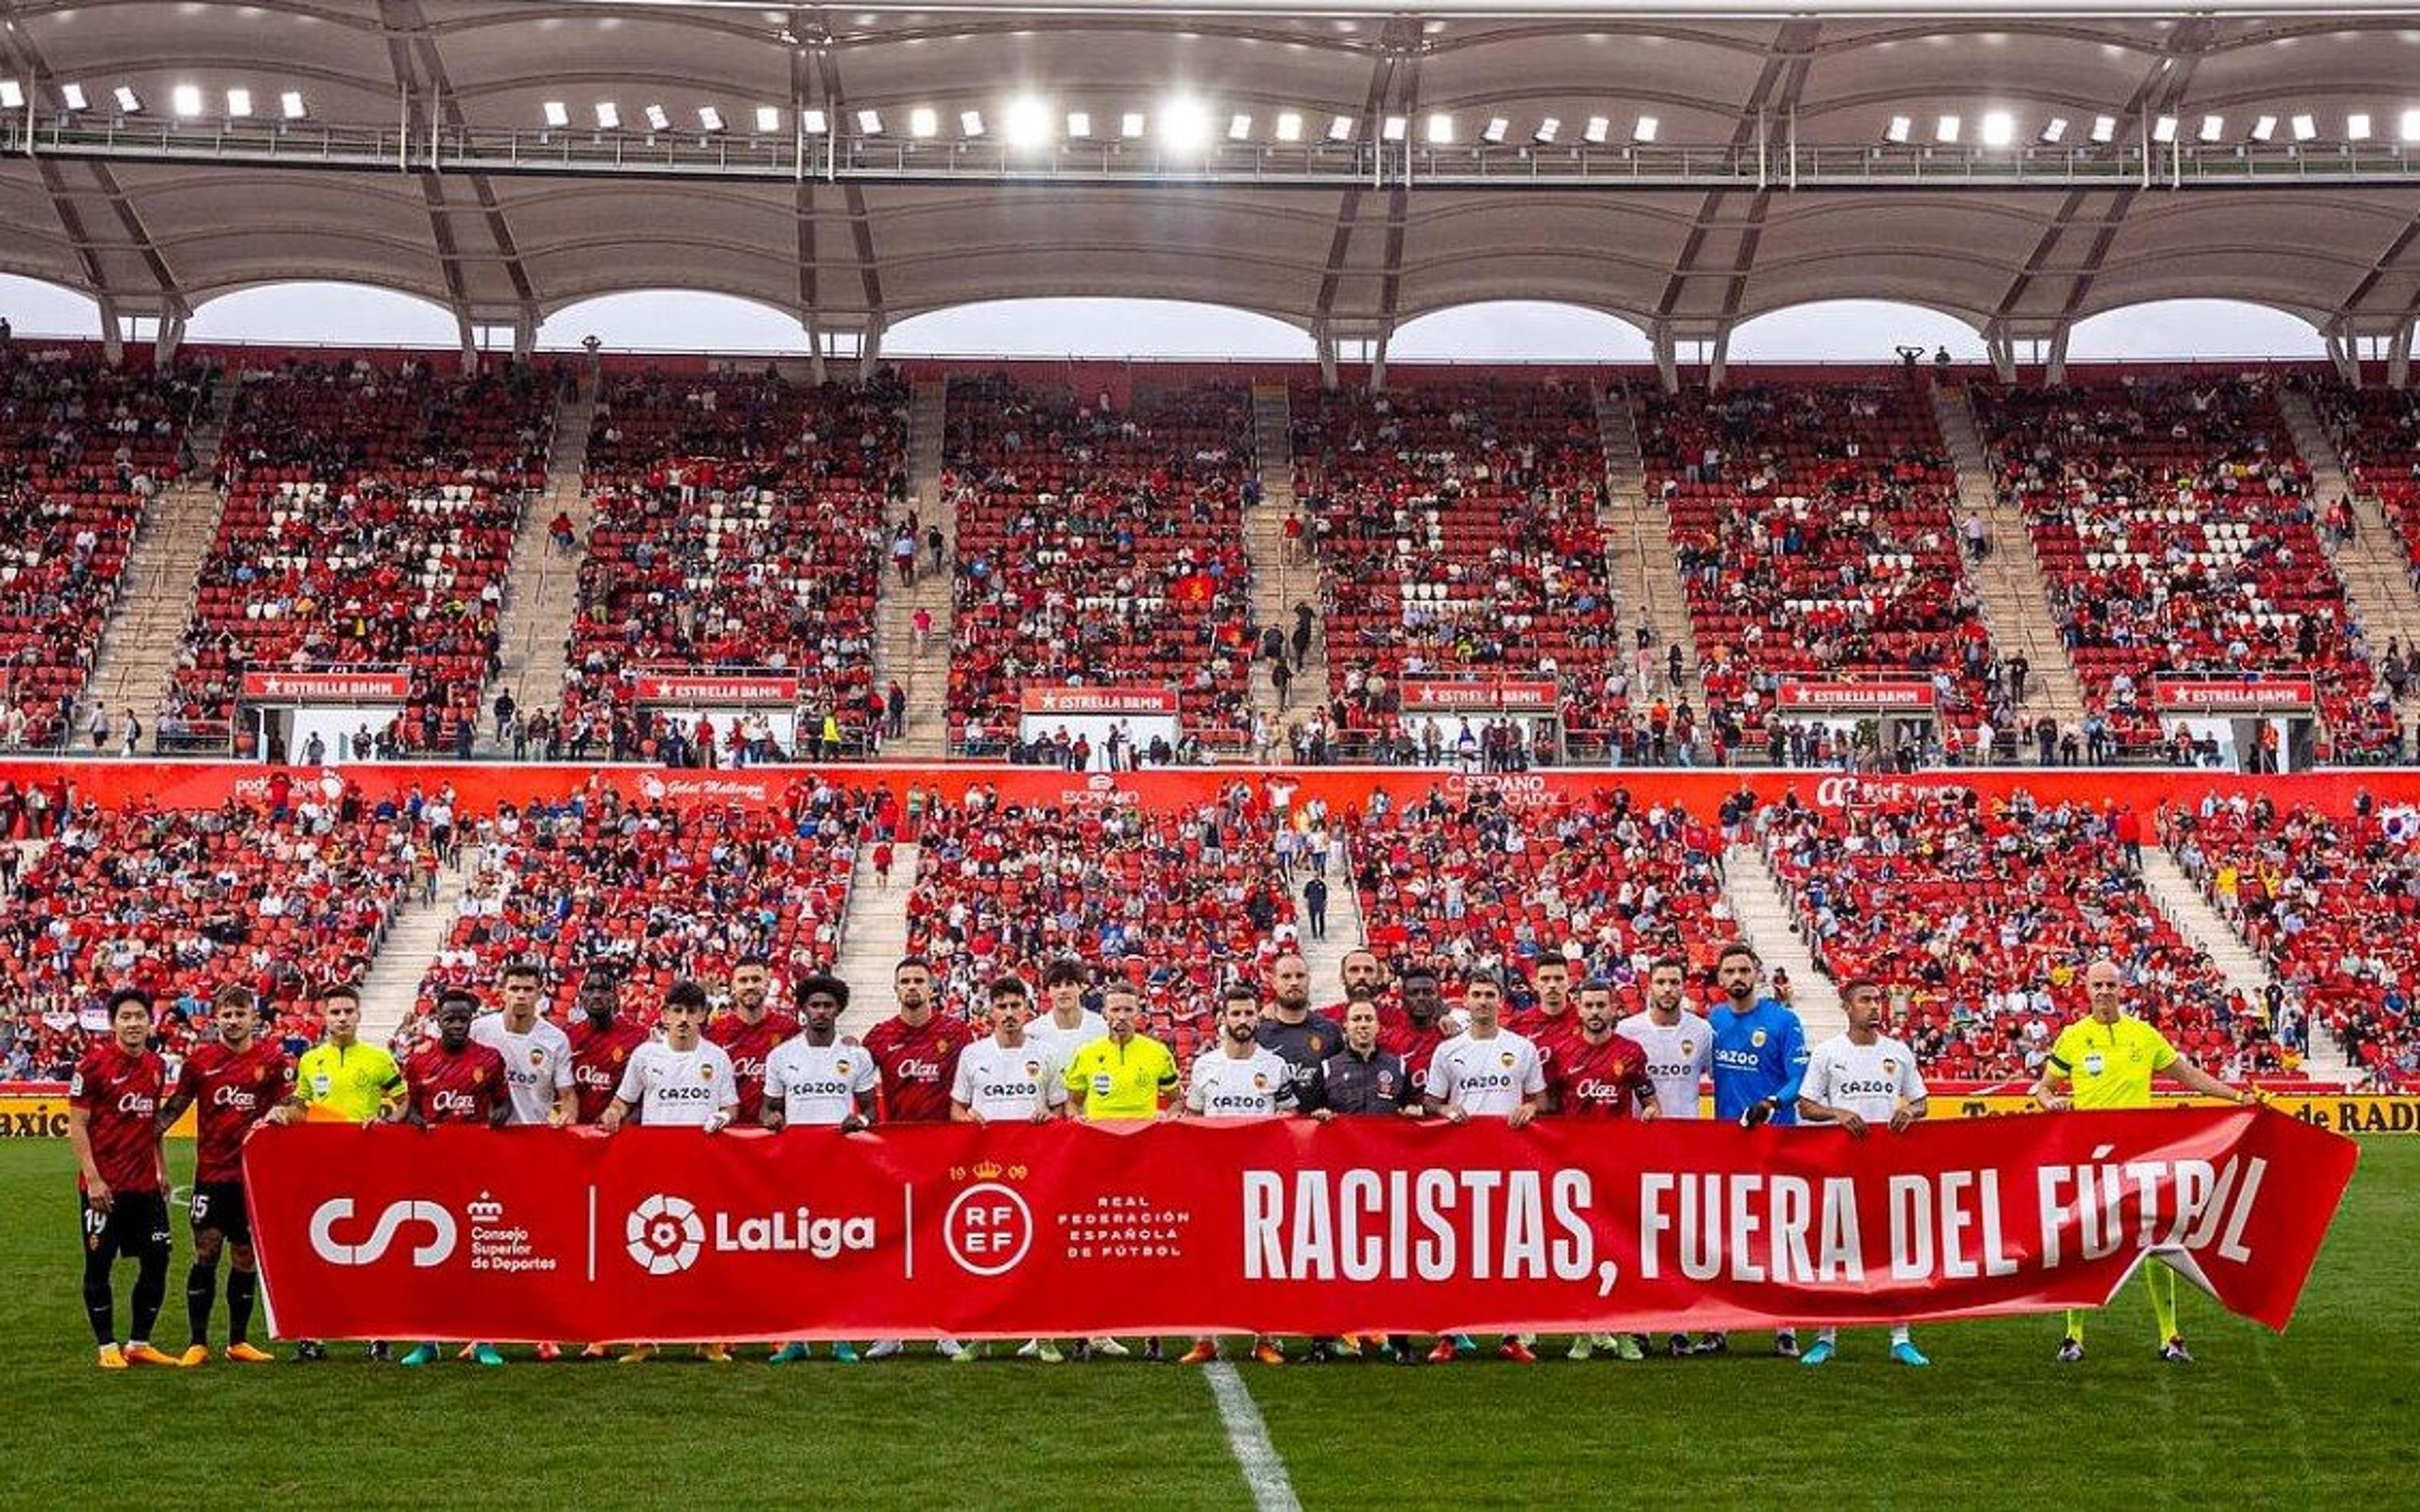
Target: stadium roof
(1341,167)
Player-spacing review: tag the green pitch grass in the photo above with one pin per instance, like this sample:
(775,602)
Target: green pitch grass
(2320,1417)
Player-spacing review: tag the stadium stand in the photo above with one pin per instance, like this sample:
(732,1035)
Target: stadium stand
(2174,523)
(1098,546)
(2377,432)
(370,519)
(84,448)
(1458,521)
(739,528)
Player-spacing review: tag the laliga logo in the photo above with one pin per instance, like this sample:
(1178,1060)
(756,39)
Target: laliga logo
(664,1234)
(340,1210)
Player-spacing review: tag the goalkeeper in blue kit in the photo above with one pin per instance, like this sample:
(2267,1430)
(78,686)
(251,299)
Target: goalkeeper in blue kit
(1759,1063)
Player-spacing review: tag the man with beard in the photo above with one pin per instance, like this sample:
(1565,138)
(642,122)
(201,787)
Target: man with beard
(1598,1074)
(1242,1077)
(1760,1062)
(748,1030)
(813,1081)
(1291,1030)
(1365,981)
(1485,1072)
(916,1053)
(1679,1048)
(1423,1024)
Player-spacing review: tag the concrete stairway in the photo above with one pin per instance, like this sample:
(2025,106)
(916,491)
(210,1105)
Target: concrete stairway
(542,587)
(926,678)
(417,932)
(2016,598)
(1763,916)
(1639,562)
(155,595)
(2205,930)
(874,938)
(1347,930)
(2373,567)
(1279,585)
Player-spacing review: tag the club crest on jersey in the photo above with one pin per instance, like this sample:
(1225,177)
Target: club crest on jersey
(705,1074)
(1260,1082)
(1318,1042)
(841,1067)
(1034,1068)
(1688,1048)
(1757,1038)
(1890,1067)
(538,1058)
(1505,1059)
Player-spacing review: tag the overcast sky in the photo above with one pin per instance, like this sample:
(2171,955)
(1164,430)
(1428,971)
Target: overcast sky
(1859,331)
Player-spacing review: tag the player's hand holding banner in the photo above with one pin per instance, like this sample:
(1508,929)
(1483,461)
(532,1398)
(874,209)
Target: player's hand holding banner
(1023,1231)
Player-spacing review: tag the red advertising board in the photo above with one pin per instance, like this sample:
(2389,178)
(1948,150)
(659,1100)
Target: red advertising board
(1277,1226)
(327,688)
(2221,695)
(1907,697)
(1074,700)
(1509,695)
(719,688)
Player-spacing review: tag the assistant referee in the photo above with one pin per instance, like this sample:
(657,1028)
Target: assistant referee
(2108,1058)
(341,1079)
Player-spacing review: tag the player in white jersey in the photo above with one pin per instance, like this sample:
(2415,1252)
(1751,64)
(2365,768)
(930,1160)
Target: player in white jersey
(1860,1080)
(1485,1072)
(1007,1077)
(814,1081)
(1065,1025)
(536,1052)
(1239,1078)
(1680,1045)
(681,1081)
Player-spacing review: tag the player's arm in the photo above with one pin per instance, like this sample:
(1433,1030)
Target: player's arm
(1533,1095)
(962,1094)
(1795,1061)
(172,1107)
(1169,1085)
(500,1110)
(2053,1069)
(1052,1103)
(566,1111)
(1436,1088)
(1915,1103)
(1075,1087)
(773,1115)
(1644,1105)
(96,1191)
(861,1115)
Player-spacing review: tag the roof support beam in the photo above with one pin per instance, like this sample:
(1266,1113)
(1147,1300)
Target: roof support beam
(869,265)
(419,70)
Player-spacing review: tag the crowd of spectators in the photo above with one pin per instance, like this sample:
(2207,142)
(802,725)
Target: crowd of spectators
(740,528)
(84,449)
(1099,547)
(1458,524)
(369,520)
(2333,907)
(1983,914)
(2175,526)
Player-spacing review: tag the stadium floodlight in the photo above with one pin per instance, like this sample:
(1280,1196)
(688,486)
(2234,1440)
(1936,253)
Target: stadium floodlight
(2212,128)
(1440,131)
(2165,129)
(869,122)
(558,115)
(2104,130)
(659,118)
(72,95)
(1647,129)
(13,94)
(1946,128)
(1183,124)
(769,118)
(1341,128)
(186,99)
(1547,131)
(1079,123)
(1130,125)
(1999,129)
(239,105)
(2411,126)
(609,115)
(2054,132)
(1493,132)
(291,105)
(1394,127)
(1239,127)
(131,104)
(2264,128)
(970,124)
(708,119)
(2306,128)
(1027,122)
(2357,126)
(923,122)
(1289,126)
(1597,130)
(1898,130)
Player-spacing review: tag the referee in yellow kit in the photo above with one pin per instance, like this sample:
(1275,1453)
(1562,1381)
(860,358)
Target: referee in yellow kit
(2108,1058)
(1123,1077)
(342,1080)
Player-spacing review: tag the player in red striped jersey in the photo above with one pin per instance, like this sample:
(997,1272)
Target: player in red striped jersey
(232,1083)
(748,1030)
(456,1080)
(114,1127)
(602,1044)
(916,1050)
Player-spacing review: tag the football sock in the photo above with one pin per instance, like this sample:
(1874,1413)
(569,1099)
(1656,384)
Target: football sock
(2162,1283)
(1898,1333)
(99,1304)
(242,1287)
(150,1289)
(201,1294)
(2075,1324)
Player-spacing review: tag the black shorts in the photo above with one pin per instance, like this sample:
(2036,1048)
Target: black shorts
(136,1222)
(219,1205)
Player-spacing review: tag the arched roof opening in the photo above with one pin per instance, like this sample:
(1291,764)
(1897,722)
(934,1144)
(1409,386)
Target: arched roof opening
(35,307)
(323,315)
(1519,330)
(1046,327)
(1852,330)
(674,321)
(2196,329)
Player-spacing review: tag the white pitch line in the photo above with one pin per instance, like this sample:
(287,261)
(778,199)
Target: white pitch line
(1247,1437)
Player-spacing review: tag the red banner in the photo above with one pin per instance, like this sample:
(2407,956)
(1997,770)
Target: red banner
(326,687)
(1878,697)
(1146,701)
(1373,1225)
(2221,695)
(1430,694)
(667,687)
